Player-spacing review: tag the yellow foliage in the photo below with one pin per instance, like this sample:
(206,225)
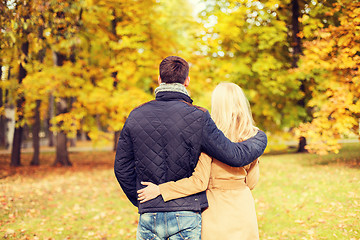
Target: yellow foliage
(336,98)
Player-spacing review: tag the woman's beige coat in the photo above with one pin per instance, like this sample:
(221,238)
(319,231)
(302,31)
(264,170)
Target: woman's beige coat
(231,213)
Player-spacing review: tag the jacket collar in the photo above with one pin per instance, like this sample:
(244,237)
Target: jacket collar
(172,96)
(171,92)
(171,87)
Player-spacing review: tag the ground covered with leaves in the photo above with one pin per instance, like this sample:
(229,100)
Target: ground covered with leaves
(299,196)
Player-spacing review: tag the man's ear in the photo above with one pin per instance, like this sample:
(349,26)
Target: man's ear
(187,81)
(159,80)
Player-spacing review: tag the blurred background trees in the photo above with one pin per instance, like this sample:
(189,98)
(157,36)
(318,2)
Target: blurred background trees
(75,69)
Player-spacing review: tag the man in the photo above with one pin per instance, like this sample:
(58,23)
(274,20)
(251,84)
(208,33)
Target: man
(161,141)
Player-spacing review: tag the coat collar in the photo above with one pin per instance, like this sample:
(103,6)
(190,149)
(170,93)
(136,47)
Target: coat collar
(172,96)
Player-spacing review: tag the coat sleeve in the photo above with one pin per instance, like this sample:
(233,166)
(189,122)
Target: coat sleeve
(216,145)
(124,166)
(253,174)
(198,182)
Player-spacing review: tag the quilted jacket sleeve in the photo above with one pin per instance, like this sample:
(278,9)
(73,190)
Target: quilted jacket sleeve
(124,166)
(215,144)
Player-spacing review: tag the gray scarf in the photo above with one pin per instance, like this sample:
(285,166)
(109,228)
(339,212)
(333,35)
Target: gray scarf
(171,87)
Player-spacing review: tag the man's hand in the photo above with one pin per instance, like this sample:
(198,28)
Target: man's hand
(148,193)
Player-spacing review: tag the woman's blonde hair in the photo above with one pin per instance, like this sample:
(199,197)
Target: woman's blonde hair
(231,112)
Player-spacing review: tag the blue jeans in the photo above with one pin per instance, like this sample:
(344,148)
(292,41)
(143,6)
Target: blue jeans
(169,225)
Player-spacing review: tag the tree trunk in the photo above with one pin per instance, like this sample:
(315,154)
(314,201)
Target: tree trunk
(35,135)
(114,74)
(48,121)
(72,142)
(2,116)
(62,155)
(296,40)
(297,51)
(16,146)
(9,118)
(37,121)
(82,136)
(117,133)
(116,138)
(302,144)
(72,100)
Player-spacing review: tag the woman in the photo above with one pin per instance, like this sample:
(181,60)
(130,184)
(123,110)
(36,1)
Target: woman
(231,213)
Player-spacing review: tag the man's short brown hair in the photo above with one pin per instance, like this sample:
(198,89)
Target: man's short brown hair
(173,69)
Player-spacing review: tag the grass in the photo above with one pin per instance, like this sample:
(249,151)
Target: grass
(303,196)
(299,196)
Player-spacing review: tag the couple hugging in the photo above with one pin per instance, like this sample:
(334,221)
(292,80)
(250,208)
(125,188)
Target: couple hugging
(190,173)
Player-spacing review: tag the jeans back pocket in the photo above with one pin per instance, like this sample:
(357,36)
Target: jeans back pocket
(189,224)
(146,227)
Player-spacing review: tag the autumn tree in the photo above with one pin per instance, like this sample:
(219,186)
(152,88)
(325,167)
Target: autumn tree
(250,45)
(330,65)
(106,61)
(258,44)
(16,25)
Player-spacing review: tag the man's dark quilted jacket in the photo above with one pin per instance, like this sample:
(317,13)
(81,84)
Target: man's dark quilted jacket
(161,141)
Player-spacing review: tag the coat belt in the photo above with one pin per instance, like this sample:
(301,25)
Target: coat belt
(227,184)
